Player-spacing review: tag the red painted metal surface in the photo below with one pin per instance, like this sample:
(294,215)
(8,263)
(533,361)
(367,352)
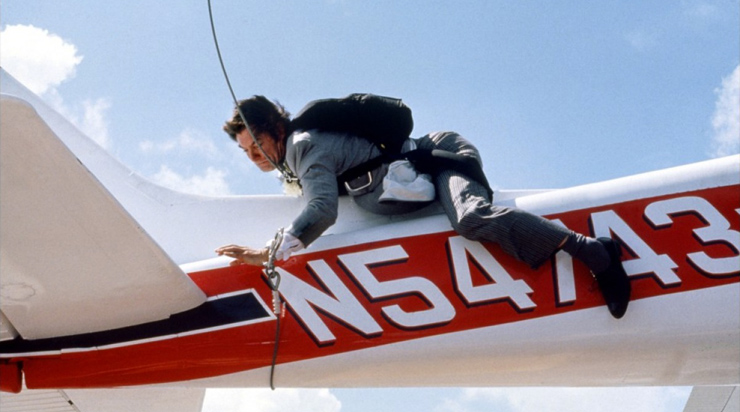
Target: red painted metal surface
(429,257)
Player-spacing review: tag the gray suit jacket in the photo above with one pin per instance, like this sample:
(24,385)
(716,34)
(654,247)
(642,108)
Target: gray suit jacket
(317,158)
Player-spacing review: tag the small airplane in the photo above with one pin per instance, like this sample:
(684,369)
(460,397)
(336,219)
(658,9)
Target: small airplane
(110,281)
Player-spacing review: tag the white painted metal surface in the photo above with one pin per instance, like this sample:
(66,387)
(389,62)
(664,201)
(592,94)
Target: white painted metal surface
(7,331)
(104,400)
(714,399)
(170,217)
(681,335)
(669,334)
(72,259)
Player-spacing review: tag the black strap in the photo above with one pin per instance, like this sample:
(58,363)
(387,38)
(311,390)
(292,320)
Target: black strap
(425,161)
(368,166)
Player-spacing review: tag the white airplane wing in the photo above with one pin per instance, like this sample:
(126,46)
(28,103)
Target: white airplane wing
(72,259)
(105,400)
(714,399)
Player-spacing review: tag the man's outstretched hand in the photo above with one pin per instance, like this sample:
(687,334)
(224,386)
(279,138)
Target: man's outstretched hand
(244,255)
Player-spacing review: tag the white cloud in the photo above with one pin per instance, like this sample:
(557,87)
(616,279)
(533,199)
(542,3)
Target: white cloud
(185,152)
(189,140)
(642,40)
(93,122)
(210,183)
(701,10)
(265,400)
(642,399)
(726,117)
(89,117)
(42,61)
(38,59)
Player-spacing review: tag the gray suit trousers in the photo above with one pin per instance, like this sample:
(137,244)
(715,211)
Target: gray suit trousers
(528,237)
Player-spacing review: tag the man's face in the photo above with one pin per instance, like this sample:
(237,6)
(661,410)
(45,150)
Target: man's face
(271,148)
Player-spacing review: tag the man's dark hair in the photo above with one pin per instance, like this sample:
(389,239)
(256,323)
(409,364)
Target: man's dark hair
(262,115)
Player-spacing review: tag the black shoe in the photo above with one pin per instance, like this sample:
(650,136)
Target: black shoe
(613,282)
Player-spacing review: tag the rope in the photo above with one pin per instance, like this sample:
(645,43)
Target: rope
(273,278)
(287,175)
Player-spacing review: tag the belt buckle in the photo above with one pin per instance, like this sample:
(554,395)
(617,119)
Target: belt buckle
(357,189)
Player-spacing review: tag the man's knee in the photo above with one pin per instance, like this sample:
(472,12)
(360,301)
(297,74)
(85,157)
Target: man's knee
(470,224)
(485,222)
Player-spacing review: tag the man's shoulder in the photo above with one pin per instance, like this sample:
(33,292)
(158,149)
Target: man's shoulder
(325,140)
(312,145)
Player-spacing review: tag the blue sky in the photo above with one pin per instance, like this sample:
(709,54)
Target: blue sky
(555,94)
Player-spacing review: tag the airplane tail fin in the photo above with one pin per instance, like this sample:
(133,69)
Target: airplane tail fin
(68,248)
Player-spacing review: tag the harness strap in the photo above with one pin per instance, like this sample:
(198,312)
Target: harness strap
(425,161)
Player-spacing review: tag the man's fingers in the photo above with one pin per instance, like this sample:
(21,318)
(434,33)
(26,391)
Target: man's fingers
(243,255)
(225,250)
